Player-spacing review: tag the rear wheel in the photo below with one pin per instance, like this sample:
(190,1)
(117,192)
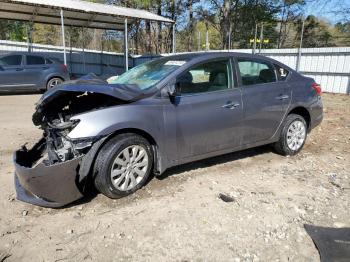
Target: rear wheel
(293,135)
(123,165)
(53,82)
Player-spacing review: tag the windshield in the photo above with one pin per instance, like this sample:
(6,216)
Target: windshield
(148,74)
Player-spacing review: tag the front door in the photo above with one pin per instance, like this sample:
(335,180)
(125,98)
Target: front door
(209,110)
(265,99)
(11,72)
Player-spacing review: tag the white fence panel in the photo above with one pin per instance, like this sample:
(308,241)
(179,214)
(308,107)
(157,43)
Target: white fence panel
(328,66)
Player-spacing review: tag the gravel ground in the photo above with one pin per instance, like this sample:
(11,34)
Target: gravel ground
(179,216)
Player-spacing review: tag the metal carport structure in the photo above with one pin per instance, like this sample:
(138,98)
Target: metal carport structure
(79,14)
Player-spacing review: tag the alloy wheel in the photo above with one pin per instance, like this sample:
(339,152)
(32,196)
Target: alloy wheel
(54,82)
(129,167)
(296,134)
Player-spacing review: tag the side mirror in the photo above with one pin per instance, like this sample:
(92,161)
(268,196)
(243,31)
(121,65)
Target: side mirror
(173,93)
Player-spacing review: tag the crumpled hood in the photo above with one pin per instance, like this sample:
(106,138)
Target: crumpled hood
(90,84)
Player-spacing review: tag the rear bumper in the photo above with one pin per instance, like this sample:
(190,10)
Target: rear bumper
(316,113)
(45,185)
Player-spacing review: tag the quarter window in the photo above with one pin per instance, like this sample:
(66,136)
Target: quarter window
(256,72)
(35,60)
(11,60)
(207,77)
(281,72)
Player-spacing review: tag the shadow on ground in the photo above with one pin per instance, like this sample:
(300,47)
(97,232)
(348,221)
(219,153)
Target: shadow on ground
(215,161)
(91,192)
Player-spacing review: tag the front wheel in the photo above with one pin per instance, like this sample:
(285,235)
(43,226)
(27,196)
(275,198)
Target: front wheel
(123,165)
(293,135)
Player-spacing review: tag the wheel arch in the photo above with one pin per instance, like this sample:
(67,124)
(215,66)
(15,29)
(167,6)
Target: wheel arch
(302,111)
(88,162)
(142,133)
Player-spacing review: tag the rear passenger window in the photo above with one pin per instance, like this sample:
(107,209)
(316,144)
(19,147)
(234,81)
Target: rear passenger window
(207,77)
(281,72)
(256,72)
(35,60)
(11,60)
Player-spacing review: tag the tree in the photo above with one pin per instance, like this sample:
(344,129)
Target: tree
(208,18)
(290,12)
(316,33)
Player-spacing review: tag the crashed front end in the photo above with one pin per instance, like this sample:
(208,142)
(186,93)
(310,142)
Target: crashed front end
(55,171)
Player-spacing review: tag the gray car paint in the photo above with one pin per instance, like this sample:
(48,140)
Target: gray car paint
(197,126)
(29,77)
(181,129)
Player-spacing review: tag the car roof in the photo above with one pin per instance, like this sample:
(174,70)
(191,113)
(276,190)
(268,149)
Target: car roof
(209,54)
(203,55)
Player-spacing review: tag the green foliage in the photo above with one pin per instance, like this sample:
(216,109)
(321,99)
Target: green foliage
(225,21)
(13,30)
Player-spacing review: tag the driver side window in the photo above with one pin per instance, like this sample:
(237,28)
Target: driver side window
(207,77)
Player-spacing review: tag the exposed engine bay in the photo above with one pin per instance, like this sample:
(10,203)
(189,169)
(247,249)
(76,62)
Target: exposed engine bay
(56,123)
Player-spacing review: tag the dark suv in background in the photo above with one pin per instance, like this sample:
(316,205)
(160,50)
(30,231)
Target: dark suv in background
(30,72)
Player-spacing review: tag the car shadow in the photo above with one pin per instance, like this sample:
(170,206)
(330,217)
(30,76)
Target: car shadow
(91,193)
(173,171)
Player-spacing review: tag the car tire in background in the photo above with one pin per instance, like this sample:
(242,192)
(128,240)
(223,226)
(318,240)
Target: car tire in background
(123,165)
(293,135)
(54,81)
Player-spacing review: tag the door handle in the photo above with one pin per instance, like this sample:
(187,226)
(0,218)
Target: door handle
(282,97)
(230,105)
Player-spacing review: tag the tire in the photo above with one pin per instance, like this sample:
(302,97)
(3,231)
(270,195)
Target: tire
(293,135)
(111,157)
(53,82)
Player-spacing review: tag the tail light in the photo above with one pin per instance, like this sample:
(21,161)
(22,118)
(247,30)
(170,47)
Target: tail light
(317,88)
(64,68)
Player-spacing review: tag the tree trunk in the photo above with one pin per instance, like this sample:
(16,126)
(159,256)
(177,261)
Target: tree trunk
(159,35)
(190,33)
(148,37)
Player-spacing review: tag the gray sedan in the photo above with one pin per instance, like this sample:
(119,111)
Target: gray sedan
(30,72)
(167,112)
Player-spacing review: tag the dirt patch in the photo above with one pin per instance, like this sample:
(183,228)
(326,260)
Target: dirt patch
(180,215)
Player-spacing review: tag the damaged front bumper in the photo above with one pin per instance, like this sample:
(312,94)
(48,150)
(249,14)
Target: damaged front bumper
(46,185)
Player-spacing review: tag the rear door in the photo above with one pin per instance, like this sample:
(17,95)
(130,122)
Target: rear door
(209,111)
(35,67)
(265,100)
(11,73)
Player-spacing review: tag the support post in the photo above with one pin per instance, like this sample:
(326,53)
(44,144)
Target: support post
(261,37)
(255,36)
(229,38)
(29,29)
(174,40)
(207,40)
(199,40)
(63,39)
(83,42)
(126,53)
(300,46)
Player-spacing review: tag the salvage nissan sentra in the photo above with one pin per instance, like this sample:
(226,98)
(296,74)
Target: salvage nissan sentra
(163,113)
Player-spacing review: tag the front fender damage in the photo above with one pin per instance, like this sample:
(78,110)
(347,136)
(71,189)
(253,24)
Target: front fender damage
(55,172)
(40,182)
